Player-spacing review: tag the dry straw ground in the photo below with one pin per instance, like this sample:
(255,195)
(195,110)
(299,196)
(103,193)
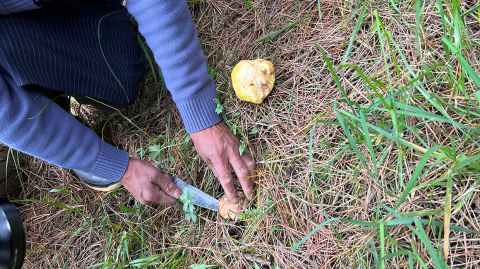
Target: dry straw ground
(317,156)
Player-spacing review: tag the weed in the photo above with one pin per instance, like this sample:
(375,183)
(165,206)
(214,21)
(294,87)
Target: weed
(187,199)
(219,108)
(242,147)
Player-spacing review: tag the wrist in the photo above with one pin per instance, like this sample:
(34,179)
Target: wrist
(128,170)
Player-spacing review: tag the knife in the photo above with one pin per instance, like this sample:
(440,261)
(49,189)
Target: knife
(200,198)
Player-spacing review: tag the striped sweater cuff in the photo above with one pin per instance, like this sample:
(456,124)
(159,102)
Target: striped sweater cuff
(111,163)
(199,113)
(13,6)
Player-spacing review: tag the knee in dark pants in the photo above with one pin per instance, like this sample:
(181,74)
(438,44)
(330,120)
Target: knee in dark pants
(63,100)
(106,107)
(57,97)
(89,48)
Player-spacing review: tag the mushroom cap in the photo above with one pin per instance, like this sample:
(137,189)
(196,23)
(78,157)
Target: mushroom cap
(229,210)
(253,80)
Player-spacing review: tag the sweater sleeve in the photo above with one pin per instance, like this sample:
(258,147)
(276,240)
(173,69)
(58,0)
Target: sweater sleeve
(12,6)
(169,31)
(32,124)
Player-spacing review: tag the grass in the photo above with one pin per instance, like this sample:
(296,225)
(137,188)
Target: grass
(368,148)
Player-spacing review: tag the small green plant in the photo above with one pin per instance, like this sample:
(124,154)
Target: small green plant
(188,208)
(212,71)
(230,123)
(219,108)
(253,131)
(156,152)
(242,147)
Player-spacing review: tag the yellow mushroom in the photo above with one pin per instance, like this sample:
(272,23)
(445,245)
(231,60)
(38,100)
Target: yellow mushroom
(253,80)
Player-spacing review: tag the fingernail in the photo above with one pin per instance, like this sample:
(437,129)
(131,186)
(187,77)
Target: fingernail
(177,193)
(235,200)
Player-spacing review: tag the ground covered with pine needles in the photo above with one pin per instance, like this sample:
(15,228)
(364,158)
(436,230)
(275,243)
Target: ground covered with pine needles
(368,148)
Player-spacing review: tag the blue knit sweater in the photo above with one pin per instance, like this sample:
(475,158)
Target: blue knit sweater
(58,138)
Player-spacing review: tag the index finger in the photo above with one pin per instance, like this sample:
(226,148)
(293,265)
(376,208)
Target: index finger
(243,173)
(226,180)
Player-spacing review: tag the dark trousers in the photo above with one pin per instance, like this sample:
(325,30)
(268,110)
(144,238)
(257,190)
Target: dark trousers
(87,49)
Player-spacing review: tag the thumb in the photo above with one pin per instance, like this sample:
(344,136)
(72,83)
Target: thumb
(168,186)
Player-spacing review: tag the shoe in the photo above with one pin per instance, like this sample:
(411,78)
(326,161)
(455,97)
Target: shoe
(97,183)
(9,178)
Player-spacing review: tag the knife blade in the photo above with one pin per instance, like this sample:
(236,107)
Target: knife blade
(200,198)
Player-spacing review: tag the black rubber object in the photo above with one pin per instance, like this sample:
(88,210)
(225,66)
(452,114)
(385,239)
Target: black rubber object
(12,236)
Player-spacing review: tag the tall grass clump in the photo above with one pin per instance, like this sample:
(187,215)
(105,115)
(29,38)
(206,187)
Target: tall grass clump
(397,112)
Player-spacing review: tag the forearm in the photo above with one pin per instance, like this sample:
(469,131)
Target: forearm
(169,31)
(54,135)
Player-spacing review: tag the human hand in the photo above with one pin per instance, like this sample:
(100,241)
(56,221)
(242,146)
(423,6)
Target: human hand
(219,147)
(149,185)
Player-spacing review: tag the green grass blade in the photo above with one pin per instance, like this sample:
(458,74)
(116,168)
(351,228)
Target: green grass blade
(436,259)
(418,20)
(354,34)
(399,221)
(362,223)
(431,99)
(447,216)
(393,138)
(397,253)
(149,59)
(384,133)
(415,253)
(466,162)
(410,260)
(463,62)
(164,89)
(457,40)
(422,213)
(466,196)
(310,146)
(444,27)
(65,192)
(370,85)
(470,11)
(413,180)
(103,54)
(382,245)
(68,242)
(148,261)
(45,106)
(352,142)
(330,162)
(283,29)
(380,31)
(432,223)
(49,203)
(249,3)
(430,70)
(120,113)
(416,112)
(319,11)
(297,245)
(334,75)
(369,143)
